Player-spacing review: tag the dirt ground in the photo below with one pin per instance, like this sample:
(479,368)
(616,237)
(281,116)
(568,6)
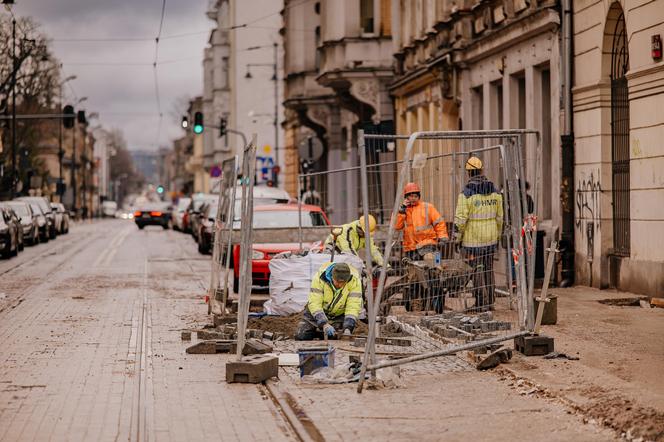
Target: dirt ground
(288,324)
(618,379)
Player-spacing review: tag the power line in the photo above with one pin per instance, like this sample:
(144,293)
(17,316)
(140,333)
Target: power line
(154,67)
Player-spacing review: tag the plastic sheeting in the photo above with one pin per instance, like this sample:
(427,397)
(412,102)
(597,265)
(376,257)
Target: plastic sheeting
(290,280)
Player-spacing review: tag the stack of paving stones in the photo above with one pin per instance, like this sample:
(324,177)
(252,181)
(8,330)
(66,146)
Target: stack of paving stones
(454,325)
(229,332)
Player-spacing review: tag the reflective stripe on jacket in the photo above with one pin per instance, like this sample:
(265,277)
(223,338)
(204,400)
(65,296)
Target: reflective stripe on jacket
(479,214)
(325,297)
(351,241)
(422,225)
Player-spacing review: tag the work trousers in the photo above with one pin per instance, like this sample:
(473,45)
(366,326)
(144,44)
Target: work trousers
(307,330)
(484,285)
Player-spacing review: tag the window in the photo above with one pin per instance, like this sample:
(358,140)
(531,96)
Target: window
(367,16)
(478,107)
(224,72)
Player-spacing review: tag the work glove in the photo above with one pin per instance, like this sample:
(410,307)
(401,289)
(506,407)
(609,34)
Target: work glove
(349,324)
(321,319)
(329,331)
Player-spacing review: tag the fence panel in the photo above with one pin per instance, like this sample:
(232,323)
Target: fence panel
(457,254)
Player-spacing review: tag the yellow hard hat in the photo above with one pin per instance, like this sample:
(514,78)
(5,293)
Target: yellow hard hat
(372,223)
(473,163)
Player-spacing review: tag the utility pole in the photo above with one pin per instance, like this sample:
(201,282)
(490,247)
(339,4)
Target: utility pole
(14,169)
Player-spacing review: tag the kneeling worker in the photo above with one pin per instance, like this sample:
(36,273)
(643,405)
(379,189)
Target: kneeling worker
(335,302)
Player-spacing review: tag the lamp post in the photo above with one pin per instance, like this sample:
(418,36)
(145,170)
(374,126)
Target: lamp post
(275,78)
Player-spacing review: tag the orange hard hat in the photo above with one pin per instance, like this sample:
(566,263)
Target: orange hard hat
(411,188)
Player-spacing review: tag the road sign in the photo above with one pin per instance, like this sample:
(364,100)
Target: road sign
(310,149)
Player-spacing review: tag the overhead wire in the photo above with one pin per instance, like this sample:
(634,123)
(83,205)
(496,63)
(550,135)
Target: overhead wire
(156,74)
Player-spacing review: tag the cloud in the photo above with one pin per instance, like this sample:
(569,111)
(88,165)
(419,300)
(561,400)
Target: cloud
(124,94)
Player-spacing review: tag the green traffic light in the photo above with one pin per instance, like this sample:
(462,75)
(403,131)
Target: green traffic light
(160,189)
(198,128)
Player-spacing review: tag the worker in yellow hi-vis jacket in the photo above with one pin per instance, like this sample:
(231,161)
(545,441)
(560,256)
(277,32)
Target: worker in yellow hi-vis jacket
(334,305)
(478,225)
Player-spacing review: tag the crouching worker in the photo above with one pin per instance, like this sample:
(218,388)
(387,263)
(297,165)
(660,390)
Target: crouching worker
(335,302)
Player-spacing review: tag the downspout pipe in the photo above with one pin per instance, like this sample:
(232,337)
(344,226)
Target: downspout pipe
(567,146)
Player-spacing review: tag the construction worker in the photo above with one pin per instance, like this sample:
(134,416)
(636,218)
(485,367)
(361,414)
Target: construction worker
(478,226)
(334,304)
(423,227)
(352,239)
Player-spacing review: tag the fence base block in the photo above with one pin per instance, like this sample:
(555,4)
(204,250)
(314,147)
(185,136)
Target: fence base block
(533,345)
(252,369)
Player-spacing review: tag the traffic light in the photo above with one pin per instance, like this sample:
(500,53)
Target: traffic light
(80,117)
(222,127)
(185,122)
(160,189)
(198,123)
(68,122)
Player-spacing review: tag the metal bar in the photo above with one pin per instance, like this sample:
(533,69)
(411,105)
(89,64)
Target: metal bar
(231,220)
(456,134)
(446,352)
(38,116)
(387,163)
(371,307)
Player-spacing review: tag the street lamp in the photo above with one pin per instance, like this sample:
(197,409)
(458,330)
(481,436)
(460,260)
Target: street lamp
(248,75)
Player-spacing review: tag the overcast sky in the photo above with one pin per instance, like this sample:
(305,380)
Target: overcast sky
(117,76)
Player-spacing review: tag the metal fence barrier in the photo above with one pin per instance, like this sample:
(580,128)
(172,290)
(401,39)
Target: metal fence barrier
(450,287)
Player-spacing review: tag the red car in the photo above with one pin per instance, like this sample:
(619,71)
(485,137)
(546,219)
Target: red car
(275,216)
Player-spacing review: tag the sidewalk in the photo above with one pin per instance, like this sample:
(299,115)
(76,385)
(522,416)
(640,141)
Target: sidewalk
(619,379)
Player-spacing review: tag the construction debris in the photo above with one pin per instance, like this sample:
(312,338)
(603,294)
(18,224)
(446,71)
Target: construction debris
(559,355)
(186,336)
(252,369)
(212,347)
(255,347)
(494,359)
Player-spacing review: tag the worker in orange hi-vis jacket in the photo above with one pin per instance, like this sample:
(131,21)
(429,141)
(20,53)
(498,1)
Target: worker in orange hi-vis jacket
(421,223)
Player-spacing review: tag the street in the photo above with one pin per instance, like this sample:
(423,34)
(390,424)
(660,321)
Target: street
(92,351)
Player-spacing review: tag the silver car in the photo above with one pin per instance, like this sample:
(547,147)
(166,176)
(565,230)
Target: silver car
(61,218)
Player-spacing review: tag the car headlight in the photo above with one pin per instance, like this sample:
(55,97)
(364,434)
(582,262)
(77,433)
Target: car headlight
(257,254)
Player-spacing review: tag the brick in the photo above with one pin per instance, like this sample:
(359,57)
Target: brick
(212,347)
(534,345)
(186,336)
(252,369)
(221,320)
(402,342)
(204,334)
(359,342)
(255,347)
(396,310)
(268,335)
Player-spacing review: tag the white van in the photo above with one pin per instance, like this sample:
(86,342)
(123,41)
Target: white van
(108,208)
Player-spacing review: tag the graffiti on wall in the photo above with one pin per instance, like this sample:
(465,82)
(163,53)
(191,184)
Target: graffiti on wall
(588,210)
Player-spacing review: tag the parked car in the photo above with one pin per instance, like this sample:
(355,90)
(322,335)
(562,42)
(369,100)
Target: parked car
(64,221)
(275,216)
(46,209)
(29,221)
(197,206)
(152,215)
(9,233)
(178,212)
(197,200)
(206,229)
(108,209)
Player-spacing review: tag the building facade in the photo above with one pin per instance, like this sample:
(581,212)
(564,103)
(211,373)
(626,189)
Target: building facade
(338,68)
(243,78)
(618,95)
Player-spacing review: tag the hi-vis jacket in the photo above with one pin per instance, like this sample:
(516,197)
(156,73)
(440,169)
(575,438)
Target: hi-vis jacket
(351,241)
(422,225)
(325,297)
(479,213)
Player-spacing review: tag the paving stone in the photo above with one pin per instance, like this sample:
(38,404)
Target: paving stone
(255,347)
(186,336)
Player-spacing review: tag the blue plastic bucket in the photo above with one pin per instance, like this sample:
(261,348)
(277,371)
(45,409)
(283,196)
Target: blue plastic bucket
(315,358)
